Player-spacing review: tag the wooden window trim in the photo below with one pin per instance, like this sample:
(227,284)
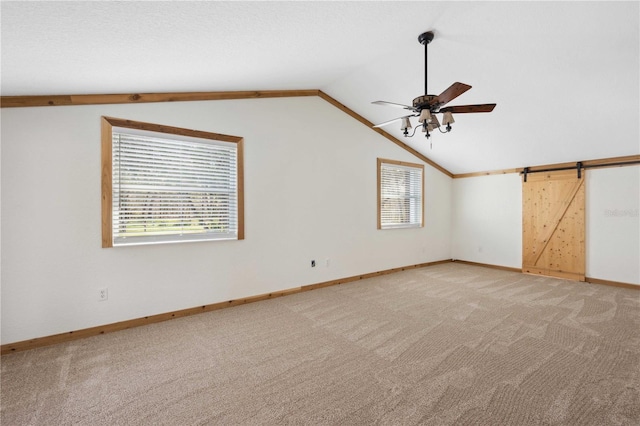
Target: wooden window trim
(107,124)
(379,181)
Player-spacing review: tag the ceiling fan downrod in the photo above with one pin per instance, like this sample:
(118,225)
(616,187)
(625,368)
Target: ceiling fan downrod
(425,38)
(425,101)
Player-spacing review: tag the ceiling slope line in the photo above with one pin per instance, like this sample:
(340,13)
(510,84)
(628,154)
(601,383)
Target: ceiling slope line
(128,98)
(378,130)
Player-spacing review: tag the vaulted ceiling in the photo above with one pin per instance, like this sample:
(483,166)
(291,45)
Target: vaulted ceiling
(565,75)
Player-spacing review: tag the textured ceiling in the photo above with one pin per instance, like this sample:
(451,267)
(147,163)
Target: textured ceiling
(565,75)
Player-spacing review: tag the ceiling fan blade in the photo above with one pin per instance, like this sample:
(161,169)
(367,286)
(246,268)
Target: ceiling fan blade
(455,90)
(392,104)
(462,109)
(392,121)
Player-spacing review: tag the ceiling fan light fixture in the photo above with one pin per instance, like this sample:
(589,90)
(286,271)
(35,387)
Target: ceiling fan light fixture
(447,118)
(434,124)
(406,123)
(425,115)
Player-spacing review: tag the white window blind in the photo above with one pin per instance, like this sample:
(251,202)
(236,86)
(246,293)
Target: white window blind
(169,188)
(400,196)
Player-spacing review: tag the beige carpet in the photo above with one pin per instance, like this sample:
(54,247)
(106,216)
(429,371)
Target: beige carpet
(443,345)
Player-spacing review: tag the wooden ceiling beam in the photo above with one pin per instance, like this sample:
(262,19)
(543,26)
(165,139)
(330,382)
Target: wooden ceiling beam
(136,98)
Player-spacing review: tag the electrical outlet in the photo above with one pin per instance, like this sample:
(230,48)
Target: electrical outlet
(103,294)
(313,263)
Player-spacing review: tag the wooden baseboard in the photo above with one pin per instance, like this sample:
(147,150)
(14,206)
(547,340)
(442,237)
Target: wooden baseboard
(137,322)
(487,265)
(612,283)
(371,275)
(587,279)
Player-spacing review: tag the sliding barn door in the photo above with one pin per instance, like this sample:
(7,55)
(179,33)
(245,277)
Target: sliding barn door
(553,224)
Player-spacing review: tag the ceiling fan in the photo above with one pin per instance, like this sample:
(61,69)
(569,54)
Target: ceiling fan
(425,107)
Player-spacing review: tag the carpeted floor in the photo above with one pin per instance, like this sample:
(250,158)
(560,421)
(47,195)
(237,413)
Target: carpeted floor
(442,345)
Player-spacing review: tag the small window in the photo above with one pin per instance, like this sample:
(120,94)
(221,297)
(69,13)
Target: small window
(400,194)
(164,184)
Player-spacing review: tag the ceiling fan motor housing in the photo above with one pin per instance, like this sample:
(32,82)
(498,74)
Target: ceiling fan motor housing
(429,102)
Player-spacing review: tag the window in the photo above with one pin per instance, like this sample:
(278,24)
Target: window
(400,194)
(164,184)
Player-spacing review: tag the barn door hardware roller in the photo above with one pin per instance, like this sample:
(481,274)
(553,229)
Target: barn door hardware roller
(578,167)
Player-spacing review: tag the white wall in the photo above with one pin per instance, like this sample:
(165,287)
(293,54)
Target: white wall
(487,220)
(310,193)
(613,224)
